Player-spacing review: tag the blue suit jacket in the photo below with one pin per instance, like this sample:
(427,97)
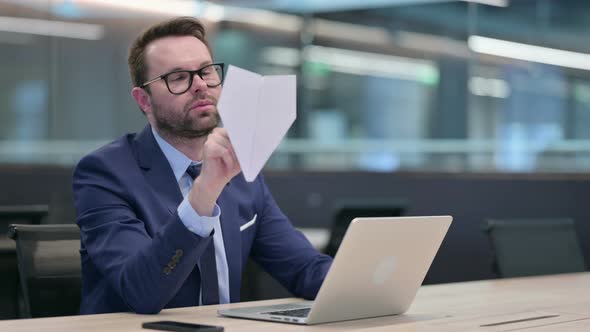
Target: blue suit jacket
(126,199)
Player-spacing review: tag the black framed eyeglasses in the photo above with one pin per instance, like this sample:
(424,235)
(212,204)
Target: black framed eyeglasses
(180,81)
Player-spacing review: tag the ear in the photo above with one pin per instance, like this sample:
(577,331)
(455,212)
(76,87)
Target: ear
(143,100)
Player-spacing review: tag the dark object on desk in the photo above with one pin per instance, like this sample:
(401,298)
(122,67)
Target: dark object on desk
(348,210)
(181,327)
(534,247)
(49,267)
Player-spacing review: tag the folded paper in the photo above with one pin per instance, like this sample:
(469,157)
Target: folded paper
(257,112)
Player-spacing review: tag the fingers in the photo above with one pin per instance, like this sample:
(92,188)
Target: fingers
(218,147)
(228,161)
(217,151)
(220,137)
(220,163)
(230,147)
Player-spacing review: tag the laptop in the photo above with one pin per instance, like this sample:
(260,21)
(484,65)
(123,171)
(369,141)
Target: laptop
(377,271)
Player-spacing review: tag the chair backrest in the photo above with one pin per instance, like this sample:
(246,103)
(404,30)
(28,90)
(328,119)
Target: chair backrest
(348,210)
(25,214)
(534,247)
(49,267)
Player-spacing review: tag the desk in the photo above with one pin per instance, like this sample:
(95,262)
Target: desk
(446,307)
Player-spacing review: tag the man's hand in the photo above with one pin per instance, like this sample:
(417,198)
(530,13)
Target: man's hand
(220,165)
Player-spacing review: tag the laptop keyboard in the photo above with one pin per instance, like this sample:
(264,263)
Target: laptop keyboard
(290,313)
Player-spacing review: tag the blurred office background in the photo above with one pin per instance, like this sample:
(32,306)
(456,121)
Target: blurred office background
(479,108)
(384,85)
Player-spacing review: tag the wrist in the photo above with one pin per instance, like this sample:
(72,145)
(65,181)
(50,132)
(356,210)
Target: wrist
(203,196)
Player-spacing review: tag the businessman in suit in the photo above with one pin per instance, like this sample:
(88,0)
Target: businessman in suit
(166,218)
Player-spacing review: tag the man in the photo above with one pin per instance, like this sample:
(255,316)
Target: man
(151,236)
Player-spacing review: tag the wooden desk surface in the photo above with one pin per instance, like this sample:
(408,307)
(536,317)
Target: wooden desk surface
(564,299)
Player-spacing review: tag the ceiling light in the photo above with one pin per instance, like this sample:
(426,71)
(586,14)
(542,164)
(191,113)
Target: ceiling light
(51,28)
(526,52)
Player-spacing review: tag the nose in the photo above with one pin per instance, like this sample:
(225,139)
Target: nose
(198,84)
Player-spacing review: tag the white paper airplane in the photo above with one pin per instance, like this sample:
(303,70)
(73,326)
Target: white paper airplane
(257,111)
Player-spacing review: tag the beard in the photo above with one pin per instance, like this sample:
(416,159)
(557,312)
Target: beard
(185,124)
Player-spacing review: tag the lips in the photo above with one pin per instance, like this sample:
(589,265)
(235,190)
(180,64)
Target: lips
(202,105)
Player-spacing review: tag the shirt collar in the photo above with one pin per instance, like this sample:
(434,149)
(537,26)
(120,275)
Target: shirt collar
(177,160)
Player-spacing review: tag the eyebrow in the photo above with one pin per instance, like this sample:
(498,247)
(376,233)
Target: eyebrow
(201,65)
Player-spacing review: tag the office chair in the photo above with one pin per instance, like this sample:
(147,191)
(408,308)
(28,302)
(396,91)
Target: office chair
(32,214)
(9,284)
(346,211)
(534,247)
(49,267)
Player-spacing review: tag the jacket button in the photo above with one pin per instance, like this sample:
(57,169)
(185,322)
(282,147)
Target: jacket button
(171,265)
(175,259)
(167,270)
(179,252)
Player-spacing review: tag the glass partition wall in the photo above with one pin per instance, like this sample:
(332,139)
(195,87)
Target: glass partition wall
(458,86)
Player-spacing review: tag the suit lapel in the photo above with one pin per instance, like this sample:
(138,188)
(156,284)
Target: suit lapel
(232,241)
(160,176)
(157,170)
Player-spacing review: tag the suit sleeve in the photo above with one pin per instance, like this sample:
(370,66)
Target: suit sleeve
(146,270)
(286,253)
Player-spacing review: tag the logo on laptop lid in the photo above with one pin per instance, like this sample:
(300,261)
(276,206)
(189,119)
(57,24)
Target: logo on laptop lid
(384,270)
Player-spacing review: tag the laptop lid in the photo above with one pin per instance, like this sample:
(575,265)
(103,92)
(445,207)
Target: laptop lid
(379,267)
(377,271)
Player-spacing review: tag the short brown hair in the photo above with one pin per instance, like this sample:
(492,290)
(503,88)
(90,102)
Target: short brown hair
(180,26)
